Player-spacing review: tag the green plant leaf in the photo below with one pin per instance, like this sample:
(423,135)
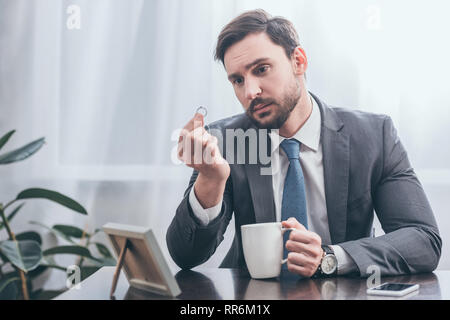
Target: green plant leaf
(25,254)
(55,266)
(9,284)
(104,251)
(87,271)
(101,262)
(22,153)
(53,196)
(108,261)
(11,291)
(54,231)
(5,138)
(44,266)
(4,282)
(12,214)
(49,262)
(2,256)
(29,235)
(70,231)
(37,272)
(77,250)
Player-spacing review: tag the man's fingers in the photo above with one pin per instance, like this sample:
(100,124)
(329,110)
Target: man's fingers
(310,250)
(304,271)
(195,122)
(183,134)
(198,147)
(209,153)
(198,121)
(192,136)
(293,223)
(305,236)
(301,259)
(188,139)
(302,264)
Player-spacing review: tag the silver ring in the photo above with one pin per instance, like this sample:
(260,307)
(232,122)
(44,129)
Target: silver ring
(204,113)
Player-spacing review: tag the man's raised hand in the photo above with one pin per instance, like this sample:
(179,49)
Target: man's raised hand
(199,150)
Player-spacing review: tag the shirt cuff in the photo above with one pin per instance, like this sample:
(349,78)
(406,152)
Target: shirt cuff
(204,215)
(346,264)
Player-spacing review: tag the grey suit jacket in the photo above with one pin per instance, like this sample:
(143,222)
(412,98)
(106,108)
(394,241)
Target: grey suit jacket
(366,169)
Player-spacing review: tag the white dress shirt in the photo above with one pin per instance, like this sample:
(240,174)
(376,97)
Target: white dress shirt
(312,166)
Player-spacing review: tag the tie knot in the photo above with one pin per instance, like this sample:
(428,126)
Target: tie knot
(291,147)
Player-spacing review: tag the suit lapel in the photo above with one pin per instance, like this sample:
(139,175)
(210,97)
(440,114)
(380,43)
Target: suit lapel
(336,174)
(261,188)
(336,162)
(261,191)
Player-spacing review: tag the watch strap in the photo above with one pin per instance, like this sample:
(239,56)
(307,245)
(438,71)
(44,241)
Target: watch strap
(326,251)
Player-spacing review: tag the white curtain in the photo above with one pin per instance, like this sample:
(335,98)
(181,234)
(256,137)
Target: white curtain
(109,95)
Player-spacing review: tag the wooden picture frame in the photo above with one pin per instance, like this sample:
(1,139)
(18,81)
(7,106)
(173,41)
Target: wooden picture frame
(140,256)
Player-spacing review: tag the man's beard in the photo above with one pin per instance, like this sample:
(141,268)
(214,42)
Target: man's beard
(281,110)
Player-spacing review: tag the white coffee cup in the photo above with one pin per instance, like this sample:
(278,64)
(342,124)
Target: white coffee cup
(263,248)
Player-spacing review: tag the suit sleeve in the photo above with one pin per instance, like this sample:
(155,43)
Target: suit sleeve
(411,243)
(189,241)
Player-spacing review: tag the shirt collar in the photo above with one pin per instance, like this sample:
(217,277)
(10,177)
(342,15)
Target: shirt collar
(309,133)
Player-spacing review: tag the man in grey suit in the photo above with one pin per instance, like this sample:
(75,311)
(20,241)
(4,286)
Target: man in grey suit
(352,164)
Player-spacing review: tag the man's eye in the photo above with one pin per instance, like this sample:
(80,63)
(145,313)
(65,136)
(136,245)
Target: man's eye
(262,69)
(237,81)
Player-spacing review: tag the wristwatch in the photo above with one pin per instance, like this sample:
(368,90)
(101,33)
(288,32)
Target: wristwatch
(328,264)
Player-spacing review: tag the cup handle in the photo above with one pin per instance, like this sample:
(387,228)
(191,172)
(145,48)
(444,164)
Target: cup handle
(283,230)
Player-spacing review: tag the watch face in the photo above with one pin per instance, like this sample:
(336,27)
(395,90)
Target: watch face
(329,264)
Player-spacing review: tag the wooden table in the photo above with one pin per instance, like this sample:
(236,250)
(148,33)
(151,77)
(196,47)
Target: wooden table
(235,284)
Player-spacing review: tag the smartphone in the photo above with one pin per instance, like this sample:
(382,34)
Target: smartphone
(393,289)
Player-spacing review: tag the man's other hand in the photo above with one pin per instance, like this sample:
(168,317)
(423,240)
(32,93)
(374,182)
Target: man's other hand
(305,250)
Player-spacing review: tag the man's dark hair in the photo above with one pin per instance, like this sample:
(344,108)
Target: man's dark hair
(279,30)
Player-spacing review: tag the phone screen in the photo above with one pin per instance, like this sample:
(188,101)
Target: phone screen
(393,286)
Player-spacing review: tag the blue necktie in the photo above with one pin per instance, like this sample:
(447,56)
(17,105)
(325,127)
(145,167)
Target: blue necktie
(294,198)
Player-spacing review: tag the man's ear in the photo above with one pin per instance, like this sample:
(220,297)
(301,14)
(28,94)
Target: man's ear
(299,61)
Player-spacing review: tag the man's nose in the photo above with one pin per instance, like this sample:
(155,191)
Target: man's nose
(252,89)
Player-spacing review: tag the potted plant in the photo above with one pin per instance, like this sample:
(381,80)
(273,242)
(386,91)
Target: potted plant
(22,258)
